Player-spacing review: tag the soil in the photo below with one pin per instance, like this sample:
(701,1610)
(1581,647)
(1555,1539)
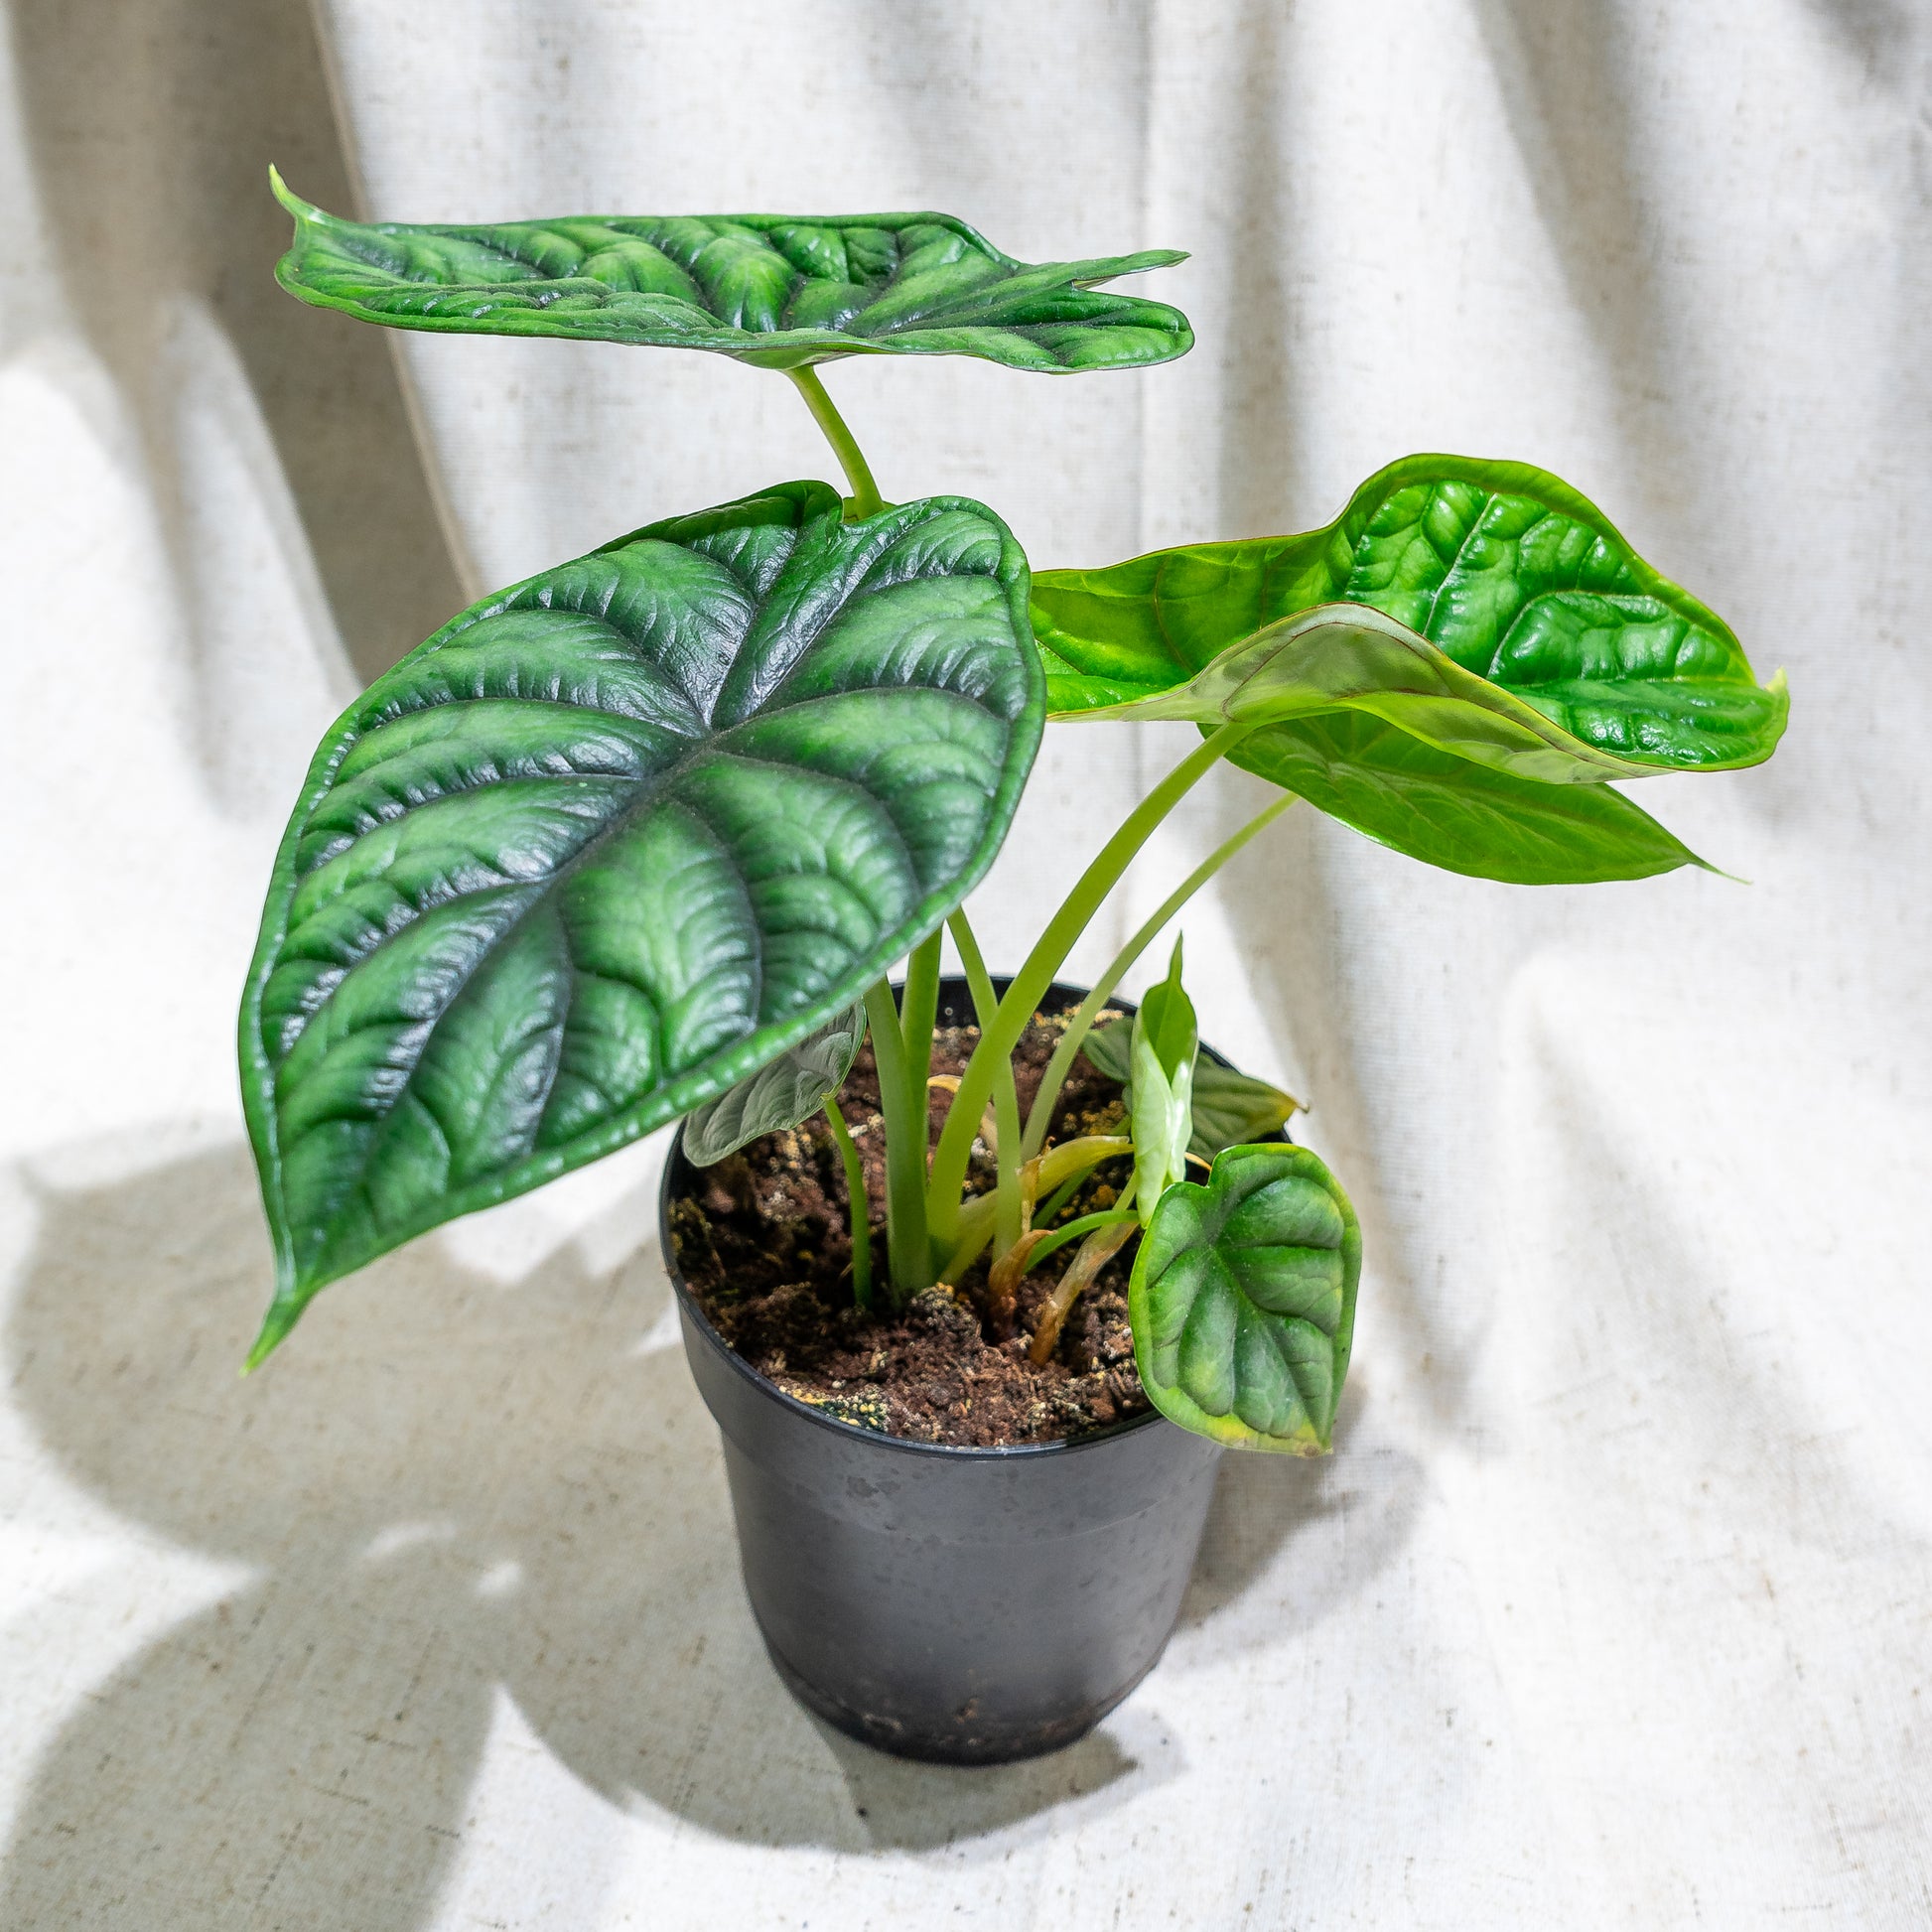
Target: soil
(763,1243)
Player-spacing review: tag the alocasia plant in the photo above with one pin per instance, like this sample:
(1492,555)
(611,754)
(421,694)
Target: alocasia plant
(642,837)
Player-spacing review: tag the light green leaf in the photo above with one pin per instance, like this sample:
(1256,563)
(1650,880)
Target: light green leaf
(778,291)
(1162,1050)
(779,1095)
(1483,607)
(1242,1301)
(1229,1107)
(1464,817)
(615,838)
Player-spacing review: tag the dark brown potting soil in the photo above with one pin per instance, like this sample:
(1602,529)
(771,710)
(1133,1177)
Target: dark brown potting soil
(764,1244)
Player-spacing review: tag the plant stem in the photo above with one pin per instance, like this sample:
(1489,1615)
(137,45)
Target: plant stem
(1068,1163)
(855,1188)
(997,1041)
(919,1009)
(865,499)
(1040,1118)
(907,1250)
(1095,1252)
(1008,1221)
(1059,1237)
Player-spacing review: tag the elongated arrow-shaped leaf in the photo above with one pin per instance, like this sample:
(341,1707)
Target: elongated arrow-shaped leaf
(779,291)
(1515,640)
(1228,1107)
(613,839)
(1513,625)
(779,1095)
(1243,1300)
(1464,817)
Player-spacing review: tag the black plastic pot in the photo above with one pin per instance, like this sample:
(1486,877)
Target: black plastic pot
(969,1606)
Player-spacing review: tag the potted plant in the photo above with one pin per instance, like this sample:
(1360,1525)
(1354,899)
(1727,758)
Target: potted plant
(644,837)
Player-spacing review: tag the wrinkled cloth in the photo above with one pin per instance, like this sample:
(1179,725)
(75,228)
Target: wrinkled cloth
(1613,1607)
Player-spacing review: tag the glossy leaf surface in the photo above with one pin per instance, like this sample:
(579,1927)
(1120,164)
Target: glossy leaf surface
(778,291)
(1229,1107)
(1512,624)
(781,1094)
(1243,1300)
(1461,816)
(613,839)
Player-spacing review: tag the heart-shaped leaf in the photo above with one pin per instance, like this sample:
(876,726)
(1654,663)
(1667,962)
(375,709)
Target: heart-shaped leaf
(613,839)
(1511,624)
(1228,1107)
(779,291)
(779,1095)
(1242,1301)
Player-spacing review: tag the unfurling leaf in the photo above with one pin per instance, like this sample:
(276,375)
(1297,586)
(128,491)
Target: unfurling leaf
(1229,1107)
(1242,1301)
(779,1095)
(778,291)
(612,840)
(1162,1050)
(1466,645)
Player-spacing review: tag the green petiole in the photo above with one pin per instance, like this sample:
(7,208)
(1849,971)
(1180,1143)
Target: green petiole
(947,1178)
(1052,1081)
(905,1112)
(1008,1215)
(1074,1230)
(865,499)
(855,1188)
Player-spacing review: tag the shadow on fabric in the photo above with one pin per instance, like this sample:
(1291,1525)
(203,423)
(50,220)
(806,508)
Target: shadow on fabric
(151,125)
(456,1485)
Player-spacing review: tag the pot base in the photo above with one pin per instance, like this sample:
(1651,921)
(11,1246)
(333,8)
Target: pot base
(973,1742)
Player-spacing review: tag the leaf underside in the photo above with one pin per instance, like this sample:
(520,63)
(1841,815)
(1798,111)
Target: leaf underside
(779,1095)
(1242,1301)
(613,839)
(777,291)
(1458,815)
(1521,639)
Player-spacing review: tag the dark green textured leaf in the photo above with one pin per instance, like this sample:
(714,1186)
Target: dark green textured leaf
(779,1095)
(1498,588)
(1229,1107)
(778,291)
(613,839)
(1464,817)
(1243,1300)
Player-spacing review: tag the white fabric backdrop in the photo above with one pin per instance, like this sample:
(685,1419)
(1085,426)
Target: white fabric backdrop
(1612,1608)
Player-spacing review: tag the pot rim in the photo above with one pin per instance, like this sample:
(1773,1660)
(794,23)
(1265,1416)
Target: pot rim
(858,1431)
(877,1437)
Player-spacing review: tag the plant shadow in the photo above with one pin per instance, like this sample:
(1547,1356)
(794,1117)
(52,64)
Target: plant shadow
(461,1485)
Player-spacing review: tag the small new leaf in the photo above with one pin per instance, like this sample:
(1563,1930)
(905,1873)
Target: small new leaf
(779,1095)
(1232,1108)
(1242,1301)
(1162,1051)
(1229,1107)
(777,291)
